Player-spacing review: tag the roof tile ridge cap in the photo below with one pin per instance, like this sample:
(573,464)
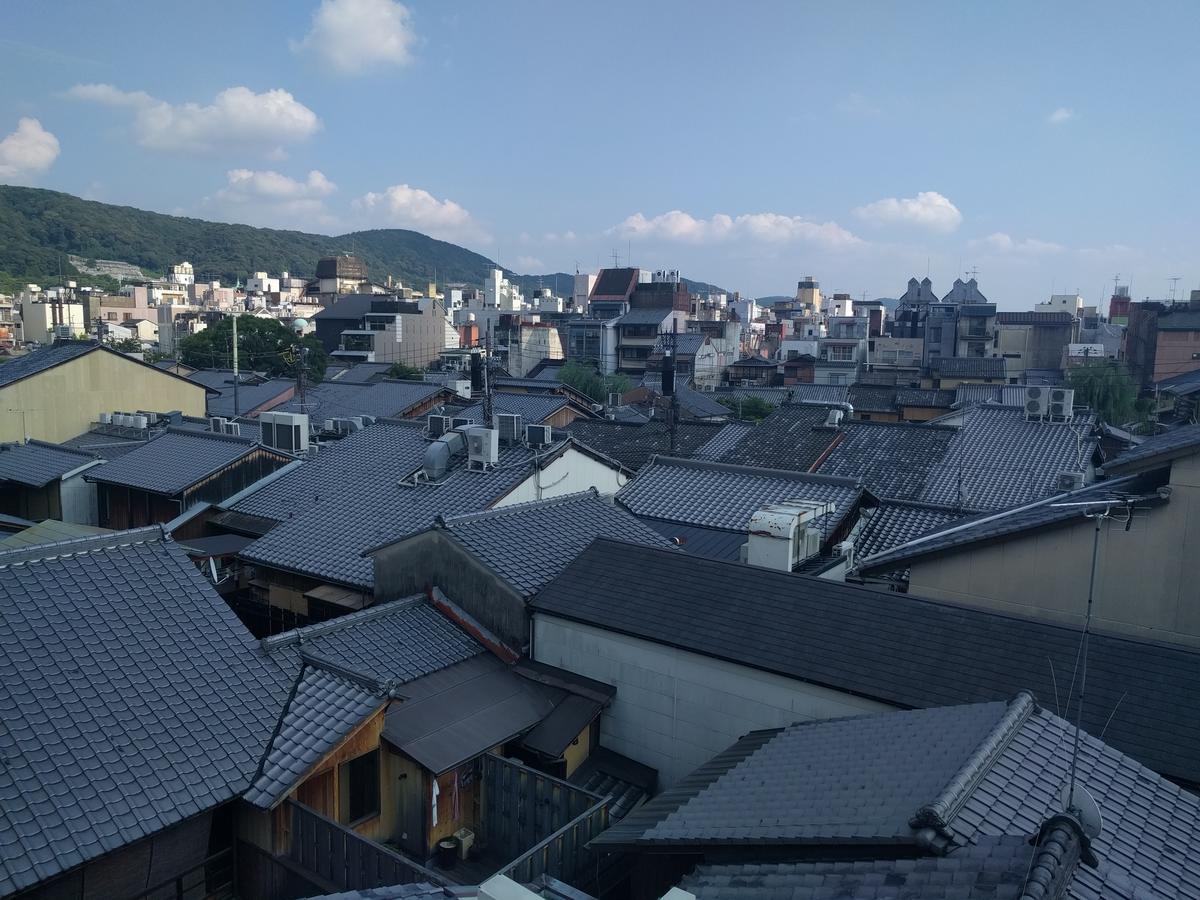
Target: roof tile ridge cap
(345,673)
(210,435)
(81,546)
(333,626)
(939,813)
(1060,846)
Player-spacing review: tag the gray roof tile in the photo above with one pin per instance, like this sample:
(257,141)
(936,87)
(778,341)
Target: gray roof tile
(528,544)
(39,360)
(1158,450)
(717,495)
(966,775)
(174,461)
(969,366)
(895,648)
(533,408)
(37,463)
(896,522)
(382,399)
(633,444)
(161,706)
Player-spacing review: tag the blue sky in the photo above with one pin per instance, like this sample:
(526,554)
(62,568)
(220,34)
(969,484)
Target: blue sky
(1050,146)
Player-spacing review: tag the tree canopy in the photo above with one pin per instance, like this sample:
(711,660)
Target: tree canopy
(1109,389)
(750,409)
(588,381)
(264,345)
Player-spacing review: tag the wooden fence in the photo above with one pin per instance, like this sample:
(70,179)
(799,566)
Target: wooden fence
(347,859)
(540,822)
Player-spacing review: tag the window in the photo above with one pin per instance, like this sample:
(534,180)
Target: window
(360,788)
(837,378)
(935,335)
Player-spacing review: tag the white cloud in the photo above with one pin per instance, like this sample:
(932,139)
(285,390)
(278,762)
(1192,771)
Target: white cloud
(928,209)
(266,196)
(999,242)
(858,106)
(529,264)
(1060,115)
(352,36)
(237,118)
(677,225)
(404,206)
(29,150)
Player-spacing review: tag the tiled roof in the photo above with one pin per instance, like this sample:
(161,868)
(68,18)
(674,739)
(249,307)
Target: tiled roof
(325,534)
(532,408)
(1003,394)
(718,495)
(528,544)
(382,399)
(969,366)
(1001,769)
(872,398)
(360,373)
(650,315)
(925,397)
(249,396)
(174,462)
(351,666)
(998,459)
(37,463)
(39,360)
(891,647)
(892,459)
(49,531)
(723,441)
(789,438)
(133,699)
(986,527)
(756,362)
(1157,450)
(687,343)
(1034,318)
(995,868)
(615,282)
(365,461)
(895,522)
(632,445)
(772,395)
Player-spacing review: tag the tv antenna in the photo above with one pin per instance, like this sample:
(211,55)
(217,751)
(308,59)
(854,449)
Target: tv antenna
(616,257)
(1174,279)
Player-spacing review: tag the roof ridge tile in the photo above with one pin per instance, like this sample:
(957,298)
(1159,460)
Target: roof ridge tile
(83,545)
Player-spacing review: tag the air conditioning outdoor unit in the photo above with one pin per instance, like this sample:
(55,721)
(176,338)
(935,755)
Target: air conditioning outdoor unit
(1062,403)
(329,424)
(483,447)
(461,422)
(438,425)
(1070,481)
(105,418)
(215,423)
(285,431)
(509,427)
(614,399)
(233,428)
(353,424)
(538,435)
(140,422)
(1035,401)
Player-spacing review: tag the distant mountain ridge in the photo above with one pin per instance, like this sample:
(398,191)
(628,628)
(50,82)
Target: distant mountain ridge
(41,229)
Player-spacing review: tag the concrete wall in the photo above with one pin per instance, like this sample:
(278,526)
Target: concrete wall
(674,710)
(64,401)
(1145,581)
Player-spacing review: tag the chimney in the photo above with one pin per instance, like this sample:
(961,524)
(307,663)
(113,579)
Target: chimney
(780,534)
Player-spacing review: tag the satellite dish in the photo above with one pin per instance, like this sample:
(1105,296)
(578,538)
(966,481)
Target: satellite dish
(1083,805)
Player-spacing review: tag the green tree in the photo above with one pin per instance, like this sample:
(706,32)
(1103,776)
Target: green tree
(749,409)
(400,370)
(264,345)
(126,345)
(1109,389)
(587,380)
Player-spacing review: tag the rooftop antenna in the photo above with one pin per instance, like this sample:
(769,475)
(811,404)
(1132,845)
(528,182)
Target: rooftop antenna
(973,271)
(1174,279)
(1116,283)
(616,256)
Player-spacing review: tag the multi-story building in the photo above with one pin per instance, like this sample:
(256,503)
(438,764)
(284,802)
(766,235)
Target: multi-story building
(1033,340)
(976,329)
(1163,339)
(371,328)
(1068,303)
(842,353)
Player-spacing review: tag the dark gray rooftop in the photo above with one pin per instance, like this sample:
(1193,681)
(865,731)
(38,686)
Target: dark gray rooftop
(174,462)
(37,463)
(360,373)
(250,397)
(533,408)
(39,360)
(789,438)
(351,666)
(872,398)
(382,399)
(938,781)
(653,315)
(926,398)
(969,366)
(892,647)
(1021,520)
(896,522)
(632,445)
(1002,394)
(528,544)
(1157,450)
(893,459)
(718,495)
(332,511)
(160,705)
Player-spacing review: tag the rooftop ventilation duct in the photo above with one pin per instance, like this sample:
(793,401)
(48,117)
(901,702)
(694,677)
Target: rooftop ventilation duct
(781,534)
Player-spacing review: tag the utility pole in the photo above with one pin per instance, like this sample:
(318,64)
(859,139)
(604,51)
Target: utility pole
(487,381)
(668,383)
(236,407)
